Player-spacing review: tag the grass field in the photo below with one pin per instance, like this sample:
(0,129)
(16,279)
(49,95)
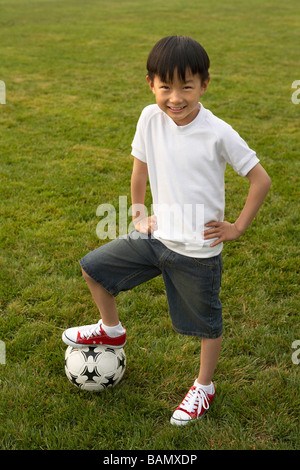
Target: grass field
(75,85)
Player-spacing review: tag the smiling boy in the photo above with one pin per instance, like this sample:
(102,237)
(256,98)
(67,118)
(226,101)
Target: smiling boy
(179,98)
(183,149)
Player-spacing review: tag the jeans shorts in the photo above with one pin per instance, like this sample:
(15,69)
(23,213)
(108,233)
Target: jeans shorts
(192,284)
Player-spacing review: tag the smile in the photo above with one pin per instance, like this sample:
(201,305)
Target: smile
(176,110)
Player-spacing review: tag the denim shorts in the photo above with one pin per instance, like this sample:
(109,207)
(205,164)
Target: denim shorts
(192,284)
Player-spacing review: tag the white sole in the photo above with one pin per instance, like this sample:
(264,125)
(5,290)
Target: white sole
(184,422)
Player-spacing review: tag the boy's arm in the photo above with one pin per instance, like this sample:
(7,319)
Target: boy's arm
(260,183)
(139,177)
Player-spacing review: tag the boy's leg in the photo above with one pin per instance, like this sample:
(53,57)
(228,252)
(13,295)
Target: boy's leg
(210,350)
(195,307)
(119,265)
(197,401)
(105,302)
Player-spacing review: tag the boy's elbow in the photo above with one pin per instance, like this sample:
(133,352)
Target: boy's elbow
(268,182)
(265,184)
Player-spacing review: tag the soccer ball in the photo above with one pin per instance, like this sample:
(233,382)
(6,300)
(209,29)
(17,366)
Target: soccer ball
(94,368)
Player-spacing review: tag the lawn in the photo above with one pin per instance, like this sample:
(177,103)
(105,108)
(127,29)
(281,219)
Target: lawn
(75,85)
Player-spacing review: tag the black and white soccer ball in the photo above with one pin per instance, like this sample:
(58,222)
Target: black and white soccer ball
(95,368)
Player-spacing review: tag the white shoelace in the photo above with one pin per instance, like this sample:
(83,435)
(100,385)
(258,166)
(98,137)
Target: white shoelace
(93,331)
(194,400)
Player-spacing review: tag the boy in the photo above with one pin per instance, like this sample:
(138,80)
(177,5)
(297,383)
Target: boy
(183,148)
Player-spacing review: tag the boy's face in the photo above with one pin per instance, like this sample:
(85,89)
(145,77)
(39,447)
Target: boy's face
(178,99)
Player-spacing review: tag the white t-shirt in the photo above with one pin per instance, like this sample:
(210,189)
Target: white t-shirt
(186,166)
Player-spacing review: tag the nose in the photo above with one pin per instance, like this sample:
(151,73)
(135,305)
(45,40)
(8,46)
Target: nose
(176,97)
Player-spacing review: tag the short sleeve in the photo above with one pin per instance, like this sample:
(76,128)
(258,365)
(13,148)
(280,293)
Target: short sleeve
(236,151)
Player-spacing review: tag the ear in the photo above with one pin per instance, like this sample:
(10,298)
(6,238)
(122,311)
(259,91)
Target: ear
(151,84)
(204,86)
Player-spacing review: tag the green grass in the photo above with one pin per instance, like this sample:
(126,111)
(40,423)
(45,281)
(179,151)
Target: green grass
(75,86)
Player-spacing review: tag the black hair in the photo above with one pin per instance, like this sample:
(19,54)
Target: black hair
(180,53)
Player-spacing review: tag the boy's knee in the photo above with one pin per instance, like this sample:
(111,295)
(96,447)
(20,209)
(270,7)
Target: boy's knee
(85,275)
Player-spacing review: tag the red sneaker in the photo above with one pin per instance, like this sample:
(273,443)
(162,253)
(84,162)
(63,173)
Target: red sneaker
(92,335)
(193,406)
